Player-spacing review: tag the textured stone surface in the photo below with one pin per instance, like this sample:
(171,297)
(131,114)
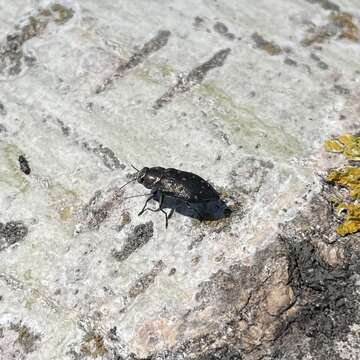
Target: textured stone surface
(243,94)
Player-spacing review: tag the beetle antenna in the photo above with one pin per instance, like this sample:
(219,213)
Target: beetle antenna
(126,184)
(135,168)
(134,196)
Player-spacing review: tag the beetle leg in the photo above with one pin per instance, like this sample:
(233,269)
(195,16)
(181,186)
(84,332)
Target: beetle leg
(144,208)
(166,218)
(171,213)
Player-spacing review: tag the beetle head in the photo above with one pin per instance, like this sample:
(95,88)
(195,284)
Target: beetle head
(149,176)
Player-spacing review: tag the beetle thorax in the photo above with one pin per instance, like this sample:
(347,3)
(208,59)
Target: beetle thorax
(150,176)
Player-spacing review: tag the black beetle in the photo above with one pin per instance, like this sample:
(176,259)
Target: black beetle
(185,192)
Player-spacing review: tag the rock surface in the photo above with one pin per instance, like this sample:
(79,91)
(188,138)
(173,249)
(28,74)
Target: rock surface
(241,93)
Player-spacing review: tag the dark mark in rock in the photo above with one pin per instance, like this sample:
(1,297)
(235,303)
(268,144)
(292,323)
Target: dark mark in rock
(220,28)
(172,271)
(108,157)
(340,90)
(230,36)
(195,77)
(321,64)
(65,129)
(105,154)
(141,235)
(12,55)
(153,45)
(24,165)
(26,339)
(145,281)
(3,111)
(97,210)
(198,21)
(12,232)
(325,4)
(290,62)
(270,47)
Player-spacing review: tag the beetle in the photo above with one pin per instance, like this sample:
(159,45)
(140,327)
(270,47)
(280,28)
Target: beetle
(181,191)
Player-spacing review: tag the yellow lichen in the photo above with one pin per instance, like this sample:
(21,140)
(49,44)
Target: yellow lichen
(349,177)
(347,144)
(351,223)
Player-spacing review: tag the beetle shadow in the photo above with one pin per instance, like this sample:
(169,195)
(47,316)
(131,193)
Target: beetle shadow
(211,210)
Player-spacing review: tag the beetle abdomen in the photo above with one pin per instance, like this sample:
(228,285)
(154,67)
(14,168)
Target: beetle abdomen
(186,185)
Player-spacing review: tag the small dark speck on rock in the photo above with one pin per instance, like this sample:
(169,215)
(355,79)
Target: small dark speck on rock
(172,271)
(24,165)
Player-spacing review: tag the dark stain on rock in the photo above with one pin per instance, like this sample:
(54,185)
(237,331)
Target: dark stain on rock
(3,111)
(223,30)
(320,63)
(108,157)
(141,235)
(11,233)
(341,90)
(12,55)
(65,129)
(290,62)
(105,154)
(198,21)
(152,46)
(325,4)
(145,281)
(270,47)
(289,298)
(195,77)
(172,271)
(26,338)
(98,209)
(3,129)
(24,165)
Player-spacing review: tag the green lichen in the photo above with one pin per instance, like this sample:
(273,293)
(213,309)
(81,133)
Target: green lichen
(269,46)
(246,128)
(166,70)
(346,25)
(340,25)
(347,144)
(62,13)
